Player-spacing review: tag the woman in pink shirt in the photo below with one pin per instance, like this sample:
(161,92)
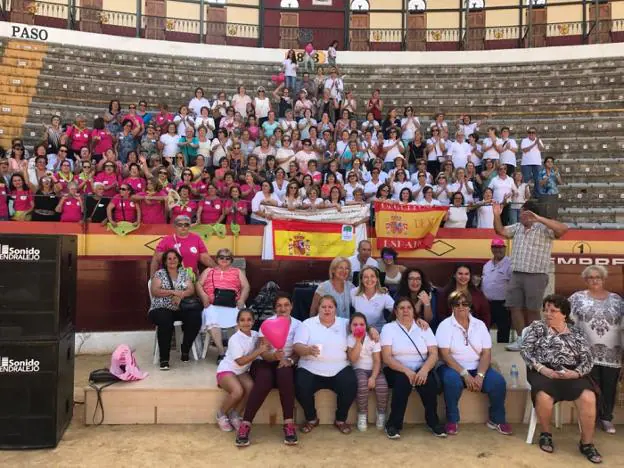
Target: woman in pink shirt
(249,188)
(163,179)
(235,209)
(226,184)
(101,139)
(186,179)
(152,203)
(22,197)
(4,201)
(123,208)
(86,178)
(210,209)
(70,206)
(109,179)
(200,188)
(186,206)
(134,179)
(78,134)
(63,178)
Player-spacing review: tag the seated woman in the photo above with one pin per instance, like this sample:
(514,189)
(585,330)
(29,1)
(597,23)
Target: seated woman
(559,359)
(321,344)
(223,290)
(414,285)
(338,286)
(410,354)
(276,369)
(169,285)
(465,346)
(370,298)
(394,272)
(462,281)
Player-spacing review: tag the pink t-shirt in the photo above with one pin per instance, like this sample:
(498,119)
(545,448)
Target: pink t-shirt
(4,207)
(238,217)
(104,143)
(187,210)
(136,119)
(124,209)
(88,187)
(182,183)
(109,181)
(201,187)
(71,210)
(189,247)
(137,183)
(22,200)
(79,138)
(161,119)
(211,210)
(254,132)
(63,182)
(252,193)
(217,278)
(153,212)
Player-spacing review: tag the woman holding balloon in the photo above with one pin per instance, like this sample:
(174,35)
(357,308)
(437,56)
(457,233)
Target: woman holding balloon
(276,369)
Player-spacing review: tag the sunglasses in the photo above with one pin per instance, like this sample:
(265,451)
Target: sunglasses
(183,224)
(123,189)
(62,151)
(461,304)
(132,107)
(224,257)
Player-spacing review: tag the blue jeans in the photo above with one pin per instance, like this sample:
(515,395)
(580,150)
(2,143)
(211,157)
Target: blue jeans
(494,385)
(514,215)
(291,82)
(530,173)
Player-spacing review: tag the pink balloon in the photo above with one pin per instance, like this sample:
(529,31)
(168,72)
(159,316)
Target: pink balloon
(309,48)
(276,331)
(274,78)
(281,77)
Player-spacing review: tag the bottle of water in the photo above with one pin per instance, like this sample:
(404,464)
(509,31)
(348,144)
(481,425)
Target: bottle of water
(514,375)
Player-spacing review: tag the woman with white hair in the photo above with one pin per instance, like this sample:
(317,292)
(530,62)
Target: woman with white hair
(599,313)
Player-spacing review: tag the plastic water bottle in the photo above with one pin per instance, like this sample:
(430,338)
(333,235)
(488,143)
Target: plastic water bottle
(514,374)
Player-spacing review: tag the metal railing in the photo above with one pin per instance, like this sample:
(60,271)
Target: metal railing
(137,24)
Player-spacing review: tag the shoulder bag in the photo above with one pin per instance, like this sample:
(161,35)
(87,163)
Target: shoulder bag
(223,297)
(189,303)
(433,373)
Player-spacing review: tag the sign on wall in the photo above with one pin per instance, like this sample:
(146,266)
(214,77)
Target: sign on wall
(33,33)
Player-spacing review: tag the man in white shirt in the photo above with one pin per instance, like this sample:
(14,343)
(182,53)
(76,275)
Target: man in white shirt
(510,148)
(363,257)
(531,163)
(459,151)
(494,281)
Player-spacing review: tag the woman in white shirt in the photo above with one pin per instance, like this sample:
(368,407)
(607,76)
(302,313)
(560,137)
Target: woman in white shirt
(206,120)
(520,193)
(262,106)
(290,70)
(485,213)
(199,101)
(240,101)
(441,191)
(457,215)
(399,183)
(169,141)
(436,147)
(305,123)
(260,200)
(370,298)
(492,145)
(313,200)
(465,347)
(351,185)
(280,184)
(184,120)
(409,125)
(321,344)
(392,148)
(428,199)
(410,354)
(277,366)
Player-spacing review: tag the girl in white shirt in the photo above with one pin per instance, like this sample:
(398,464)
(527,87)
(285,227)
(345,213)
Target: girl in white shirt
(232,375)
(198,102)
(520,192)
(485,214)
(365,357)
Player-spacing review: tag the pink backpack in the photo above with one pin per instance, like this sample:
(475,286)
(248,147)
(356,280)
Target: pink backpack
(124,365)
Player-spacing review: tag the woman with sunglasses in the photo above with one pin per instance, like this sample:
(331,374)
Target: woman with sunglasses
(186,179)
(86,178)
(292,200)
(152,202)
(63,178)
(109,179)
(127,140)
(70,205)
(221,309)
(17,159)
(184,206)
(163,179)
(45,202)
(465,346)
(123,208)
(35,173)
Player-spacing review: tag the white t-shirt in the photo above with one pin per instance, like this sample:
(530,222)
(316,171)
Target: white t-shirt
(508,156)
(240,104)
(469,129)
(257,207)
(491,153)
(452,336)
(501,188)
(403,349)
(239,345)
(408,133)
(290,68)
(476,159)
(288,347)
(458,217)
(392,154)
(370,189)
(437,153)
(318,202)
(207,122)
(464,191)
(519,195)
(532,157)
(171,144)
(397,187)
(196,104)
(286,155)
(280,193)
(366,354)
(485,217)
(335,87)
(459,153)
(443,197)
(356,265)
(331,340)
(372,308)
(262,107)
(349,190)
(433,202)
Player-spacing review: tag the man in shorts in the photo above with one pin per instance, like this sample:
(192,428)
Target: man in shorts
(532,240)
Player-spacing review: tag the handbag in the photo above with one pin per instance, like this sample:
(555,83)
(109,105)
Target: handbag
(224,297)
(433,373)
(99,379)
(189,303)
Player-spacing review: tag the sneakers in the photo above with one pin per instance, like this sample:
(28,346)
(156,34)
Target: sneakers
(235,420)
(185,357)
(242,435)
(220,358)
(290,434)
(224,423)
(381,421)
(503,428)
(607,426)
(515,346)
(451,428)
(438,430)
(164,365)
(392,433)
(362,422)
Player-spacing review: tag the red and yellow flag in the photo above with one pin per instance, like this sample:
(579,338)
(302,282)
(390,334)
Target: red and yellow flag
(407,227)
(304,240)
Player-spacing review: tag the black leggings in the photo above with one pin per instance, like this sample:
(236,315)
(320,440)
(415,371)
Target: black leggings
(607,380)
(164,318)
(343,384)
(502,319)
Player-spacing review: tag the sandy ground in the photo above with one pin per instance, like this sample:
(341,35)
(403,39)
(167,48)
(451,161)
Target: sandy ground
(177,445)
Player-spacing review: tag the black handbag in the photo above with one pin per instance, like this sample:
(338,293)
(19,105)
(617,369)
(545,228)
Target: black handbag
(433,373)
(99,379)
(187,304)
(224,297)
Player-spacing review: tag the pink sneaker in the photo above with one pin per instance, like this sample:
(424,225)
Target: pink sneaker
(451,428)
(236,422)
(224,423)
(503,428)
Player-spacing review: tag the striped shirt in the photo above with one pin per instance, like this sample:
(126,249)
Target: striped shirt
(531,248)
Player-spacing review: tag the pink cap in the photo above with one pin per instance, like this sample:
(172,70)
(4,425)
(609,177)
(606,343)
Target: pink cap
(496,242)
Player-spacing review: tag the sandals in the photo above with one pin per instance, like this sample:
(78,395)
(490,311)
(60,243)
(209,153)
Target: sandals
(546,442)
(590,452)
(343,427)
(307,426)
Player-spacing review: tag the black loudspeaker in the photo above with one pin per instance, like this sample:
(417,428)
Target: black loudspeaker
(36,392)
(37,286)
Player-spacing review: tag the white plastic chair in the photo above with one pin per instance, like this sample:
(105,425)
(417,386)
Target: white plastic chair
(530,417)
(177,329)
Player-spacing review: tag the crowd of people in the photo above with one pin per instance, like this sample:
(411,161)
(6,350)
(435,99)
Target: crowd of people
(378,326)
(306,146)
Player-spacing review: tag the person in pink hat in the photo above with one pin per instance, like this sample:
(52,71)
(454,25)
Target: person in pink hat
(495,278)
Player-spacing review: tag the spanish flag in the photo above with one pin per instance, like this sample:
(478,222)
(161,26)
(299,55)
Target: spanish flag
(407,227)
(303,240)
